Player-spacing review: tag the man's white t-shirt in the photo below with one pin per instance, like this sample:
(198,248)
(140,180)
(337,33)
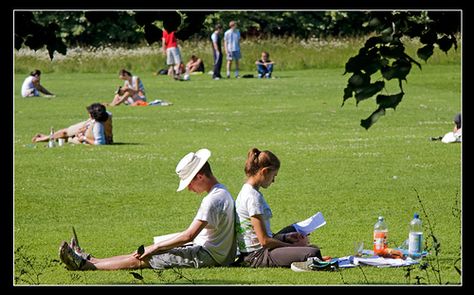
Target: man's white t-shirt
(218,237)
(232,39)
(250,202)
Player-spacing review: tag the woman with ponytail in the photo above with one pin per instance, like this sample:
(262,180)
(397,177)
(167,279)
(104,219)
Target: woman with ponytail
(258,246)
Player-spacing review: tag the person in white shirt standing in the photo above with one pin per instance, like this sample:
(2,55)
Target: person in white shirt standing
(212,232)
(232,47)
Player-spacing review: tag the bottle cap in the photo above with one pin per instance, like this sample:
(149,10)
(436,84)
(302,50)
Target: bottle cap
(416,215)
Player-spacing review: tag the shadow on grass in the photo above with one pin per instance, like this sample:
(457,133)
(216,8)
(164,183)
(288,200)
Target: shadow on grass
(210,282)
(127,143)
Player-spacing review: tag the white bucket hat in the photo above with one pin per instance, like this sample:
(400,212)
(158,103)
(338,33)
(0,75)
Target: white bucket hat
(190,165)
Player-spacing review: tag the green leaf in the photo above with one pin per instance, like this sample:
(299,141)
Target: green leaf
(366,123)
(445,43)
(34,42)
(368,91)
(141,250)
(359,80)
(372,66)
(387,31)
(393,51)
(354,64)
(399,69)
(347,94)
(425,52)
(372,41)
(136,276)
(429,37)
(389,101)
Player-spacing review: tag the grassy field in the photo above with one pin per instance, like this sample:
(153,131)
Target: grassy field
(120,196)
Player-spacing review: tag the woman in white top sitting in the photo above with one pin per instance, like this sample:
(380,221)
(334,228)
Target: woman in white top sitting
(132,92)
(96,130)
(258,245)
(32,86)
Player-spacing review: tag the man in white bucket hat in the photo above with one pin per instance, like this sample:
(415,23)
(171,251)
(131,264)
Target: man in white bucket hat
(209,240)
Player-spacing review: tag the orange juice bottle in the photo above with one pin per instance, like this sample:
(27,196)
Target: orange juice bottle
(380,236)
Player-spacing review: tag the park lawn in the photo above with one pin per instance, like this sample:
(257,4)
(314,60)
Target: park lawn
(120,196)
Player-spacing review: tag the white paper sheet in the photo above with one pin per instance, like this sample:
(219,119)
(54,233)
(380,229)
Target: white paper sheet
(309,225)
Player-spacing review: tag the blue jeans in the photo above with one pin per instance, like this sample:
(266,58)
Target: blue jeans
(263,70)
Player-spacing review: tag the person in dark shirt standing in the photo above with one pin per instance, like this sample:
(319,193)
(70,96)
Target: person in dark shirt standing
(217,51)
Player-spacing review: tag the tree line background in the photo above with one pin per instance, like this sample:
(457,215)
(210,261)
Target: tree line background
(58,30)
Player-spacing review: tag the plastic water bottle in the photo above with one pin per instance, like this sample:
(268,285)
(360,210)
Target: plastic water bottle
(51,138)
(415,237)
(380,236)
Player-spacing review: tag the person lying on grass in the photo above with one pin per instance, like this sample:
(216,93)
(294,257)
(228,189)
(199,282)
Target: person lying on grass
(96,130)
(131,93)
(258,246)
(212,231)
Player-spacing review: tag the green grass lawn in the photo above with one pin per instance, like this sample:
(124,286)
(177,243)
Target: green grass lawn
(120,196)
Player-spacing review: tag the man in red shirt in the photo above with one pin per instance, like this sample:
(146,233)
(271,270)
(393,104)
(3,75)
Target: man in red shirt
(173,55)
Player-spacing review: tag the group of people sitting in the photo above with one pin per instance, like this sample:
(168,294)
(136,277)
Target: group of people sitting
(96,130)
(196,65)
(133,91)
(223,232)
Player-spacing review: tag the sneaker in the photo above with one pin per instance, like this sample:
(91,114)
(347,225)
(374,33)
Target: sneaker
(228,76)
(267,75)
(313,263)
(70,258)
(75,246)
(216,78)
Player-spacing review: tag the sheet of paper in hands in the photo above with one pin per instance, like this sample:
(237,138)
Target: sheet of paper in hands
(307,226)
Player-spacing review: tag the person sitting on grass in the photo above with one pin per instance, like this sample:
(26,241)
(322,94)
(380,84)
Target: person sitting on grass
(212,232)
(195,64)
(455,135)
(131,93)
(264,66)
(32,87)
(258,246)
(96,130)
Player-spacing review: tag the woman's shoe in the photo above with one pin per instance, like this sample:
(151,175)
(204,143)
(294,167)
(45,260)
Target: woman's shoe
(70,258)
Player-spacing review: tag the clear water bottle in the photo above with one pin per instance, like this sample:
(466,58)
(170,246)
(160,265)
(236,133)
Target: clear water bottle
(415,237)
(51,142)
(380,236)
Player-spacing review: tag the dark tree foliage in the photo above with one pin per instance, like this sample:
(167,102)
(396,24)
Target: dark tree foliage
(35,35)
(385,54)
(59,29)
